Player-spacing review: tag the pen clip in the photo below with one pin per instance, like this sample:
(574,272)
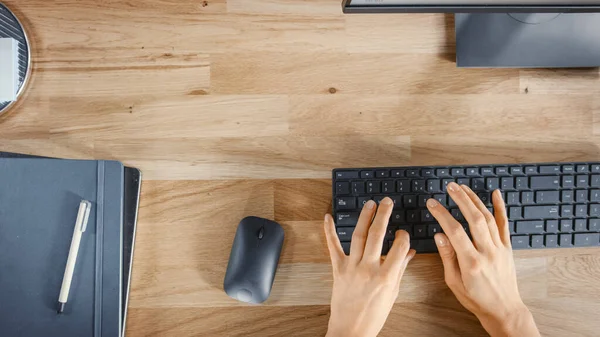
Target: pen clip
(87,208)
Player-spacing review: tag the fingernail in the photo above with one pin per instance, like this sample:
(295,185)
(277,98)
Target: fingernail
(453,187)
(370,204)
(440,240)
(327,217)
(386,201)
(432,202)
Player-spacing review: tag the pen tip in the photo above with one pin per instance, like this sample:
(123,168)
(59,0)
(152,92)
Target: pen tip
(61,308)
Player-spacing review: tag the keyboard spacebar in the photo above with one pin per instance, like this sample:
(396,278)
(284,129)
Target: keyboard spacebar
(537,212)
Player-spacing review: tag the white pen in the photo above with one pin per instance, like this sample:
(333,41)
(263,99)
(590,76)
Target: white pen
(80,225)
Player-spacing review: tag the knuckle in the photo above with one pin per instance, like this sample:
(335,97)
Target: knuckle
(479,219)
(358,236)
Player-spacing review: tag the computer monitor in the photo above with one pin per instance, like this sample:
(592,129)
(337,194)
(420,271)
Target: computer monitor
(511,33)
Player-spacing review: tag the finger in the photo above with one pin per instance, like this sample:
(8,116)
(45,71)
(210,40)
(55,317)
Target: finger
(359,237)
(377,231)
(397,254)
(477,223)
(501,218)
(489,218)
(454,230)
(336,252)
(452,274)
(409,256)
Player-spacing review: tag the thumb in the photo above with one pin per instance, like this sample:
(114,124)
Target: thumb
(451,268)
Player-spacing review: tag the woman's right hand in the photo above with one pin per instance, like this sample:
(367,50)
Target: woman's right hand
(482,273)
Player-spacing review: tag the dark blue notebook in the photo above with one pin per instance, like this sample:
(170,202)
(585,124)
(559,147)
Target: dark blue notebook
(39,199)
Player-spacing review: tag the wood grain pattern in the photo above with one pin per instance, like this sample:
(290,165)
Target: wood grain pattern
(242,107)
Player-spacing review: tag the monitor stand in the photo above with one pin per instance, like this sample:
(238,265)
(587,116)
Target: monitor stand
(524,40)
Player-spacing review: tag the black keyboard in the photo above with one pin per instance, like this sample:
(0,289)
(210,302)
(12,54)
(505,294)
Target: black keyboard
(549,205)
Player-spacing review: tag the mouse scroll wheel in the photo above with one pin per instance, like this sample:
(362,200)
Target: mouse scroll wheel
(261,233)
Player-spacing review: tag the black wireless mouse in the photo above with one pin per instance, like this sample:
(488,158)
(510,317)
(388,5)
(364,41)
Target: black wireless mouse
(253,260)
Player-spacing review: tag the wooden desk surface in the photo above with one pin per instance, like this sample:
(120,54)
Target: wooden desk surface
(242,107)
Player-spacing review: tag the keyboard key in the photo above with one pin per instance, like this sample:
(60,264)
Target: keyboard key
(512,198)
(458,172)
(412,173)
(566,210)
(527,198)
(373,187)
(362,201)
(580,210)
(410,201)
(428,172)
(551,240)
(515,213)
(463,181)
(387,186)
(551,226)
(345,175)
(539,212)
(477,184)
(581,195)
(342,188)
(397,173)
(594,210)
(566,225)
(420,231)
(434,185)
(549,169)
(385,248)
(568,169)
(565,240)
(345,233)
(403,186)
(426,216)
(442,172)
(595,181)
(516,170)
(487,171)
(528,227)
(472,171)
(406,228)
(358,187)
(522,183)
(492,183)
(537,241)
(413,216)
(346,247)
(346,218)
(367,174)
(594,195)
(520,241)
(545,182)
(580,225)
(485,197)
(378,198)
(445,183)
(397,217)
(502,171)
(586,239)
(418,185)
(382,173)
(546,197)
(582,181)
(583,168)
(433,230)
(422,200)
(346,203)
(531,170)
(507,183)
(511,227)
(457,214)
(566,196)
(594,225)
(397,200)
(441,198)
(568,182)
(423,246)
(596,168)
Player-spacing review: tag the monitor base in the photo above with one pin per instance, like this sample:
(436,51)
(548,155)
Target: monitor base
(500,40)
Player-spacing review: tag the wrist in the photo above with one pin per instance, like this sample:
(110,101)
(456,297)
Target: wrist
(516,322)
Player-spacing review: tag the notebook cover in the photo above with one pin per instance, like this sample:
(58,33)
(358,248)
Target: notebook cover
(39,199)
(133,181)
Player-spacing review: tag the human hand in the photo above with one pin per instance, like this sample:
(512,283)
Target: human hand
(365,286)
(482,273)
